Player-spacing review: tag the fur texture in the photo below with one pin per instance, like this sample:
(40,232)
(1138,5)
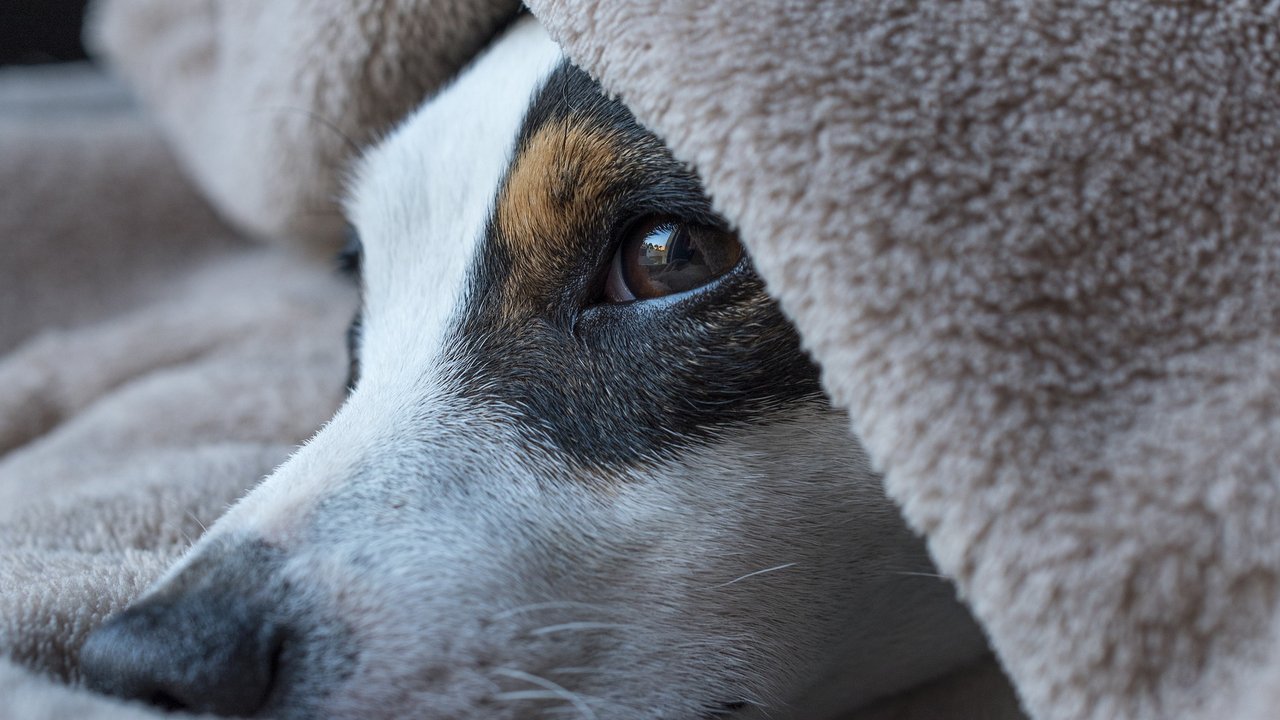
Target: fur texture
(443,548)
(1035,264)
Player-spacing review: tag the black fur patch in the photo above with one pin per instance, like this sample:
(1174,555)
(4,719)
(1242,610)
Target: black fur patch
(603,382)
(348,264)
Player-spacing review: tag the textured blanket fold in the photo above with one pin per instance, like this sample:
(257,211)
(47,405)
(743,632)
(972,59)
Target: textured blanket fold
(266,102)
(154,367)
(1035,247)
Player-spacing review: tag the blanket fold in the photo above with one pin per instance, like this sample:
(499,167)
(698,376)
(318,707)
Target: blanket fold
(156,367)
(267,103)
(1033,246)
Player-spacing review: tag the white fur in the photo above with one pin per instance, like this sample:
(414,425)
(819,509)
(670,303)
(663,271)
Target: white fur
(422,198)
(420,202)
(467,574)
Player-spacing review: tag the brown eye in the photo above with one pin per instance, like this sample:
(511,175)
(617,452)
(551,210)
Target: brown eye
(663,256)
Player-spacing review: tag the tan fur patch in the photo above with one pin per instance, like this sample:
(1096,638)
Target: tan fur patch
(558,181)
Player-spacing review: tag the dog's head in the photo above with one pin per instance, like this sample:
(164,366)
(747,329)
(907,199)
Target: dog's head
(585,469)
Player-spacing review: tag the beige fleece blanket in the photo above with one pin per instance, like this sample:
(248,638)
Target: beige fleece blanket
(1035,247)
(152,367)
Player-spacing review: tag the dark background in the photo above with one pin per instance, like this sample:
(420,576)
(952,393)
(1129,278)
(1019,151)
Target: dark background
(40,31)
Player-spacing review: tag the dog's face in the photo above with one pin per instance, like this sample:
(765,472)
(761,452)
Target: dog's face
(585,469)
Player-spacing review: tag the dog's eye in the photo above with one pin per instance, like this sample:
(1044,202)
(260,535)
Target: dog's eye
(661,256)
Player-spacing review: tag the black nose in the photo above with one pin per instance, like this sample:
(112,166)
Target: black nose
(203,651)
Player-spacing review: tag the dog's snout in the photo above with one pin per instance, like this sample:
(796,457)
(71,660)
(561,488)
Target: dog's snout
(203,651)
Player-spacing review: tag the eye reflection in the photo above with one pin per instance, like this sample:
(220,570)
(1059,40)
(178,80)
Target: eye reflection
(661,256)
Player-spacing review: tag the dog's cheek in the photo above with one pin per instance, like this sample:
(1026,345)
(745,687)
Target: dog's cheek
(441,605)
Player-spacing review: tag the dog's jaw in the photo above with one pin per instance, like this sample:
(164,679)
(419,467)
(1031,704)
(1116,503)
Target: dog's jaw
(451,553)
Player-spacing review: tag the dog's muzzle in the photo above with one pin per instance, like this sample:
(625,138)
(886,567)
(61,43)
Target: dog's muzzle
(210,644)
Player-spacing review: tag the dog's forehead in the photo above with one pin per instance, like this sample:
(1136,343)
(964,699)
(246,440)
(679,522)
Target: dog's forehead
(487,220)
(422,199)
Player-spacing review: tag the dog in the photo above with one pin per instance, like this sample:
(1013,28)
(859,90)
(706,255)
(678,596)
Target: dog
(585,468)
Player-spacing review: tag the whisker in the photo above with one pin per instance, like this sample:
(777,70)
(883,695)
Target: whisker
(564,605)
(192,515)
(553,689)
(775,568)
(589,671)
(529,695)
(315,117)
(547,695)
(919,574)
(575,626)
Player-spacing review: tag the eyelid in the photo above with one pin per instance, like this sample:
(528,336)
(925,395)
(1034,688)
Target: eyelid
(615,287)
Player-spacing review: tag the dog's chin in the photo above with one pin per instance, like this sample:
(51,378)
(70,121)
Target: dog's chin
(319,684)
(311,701)
(307,697)
(335,708)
